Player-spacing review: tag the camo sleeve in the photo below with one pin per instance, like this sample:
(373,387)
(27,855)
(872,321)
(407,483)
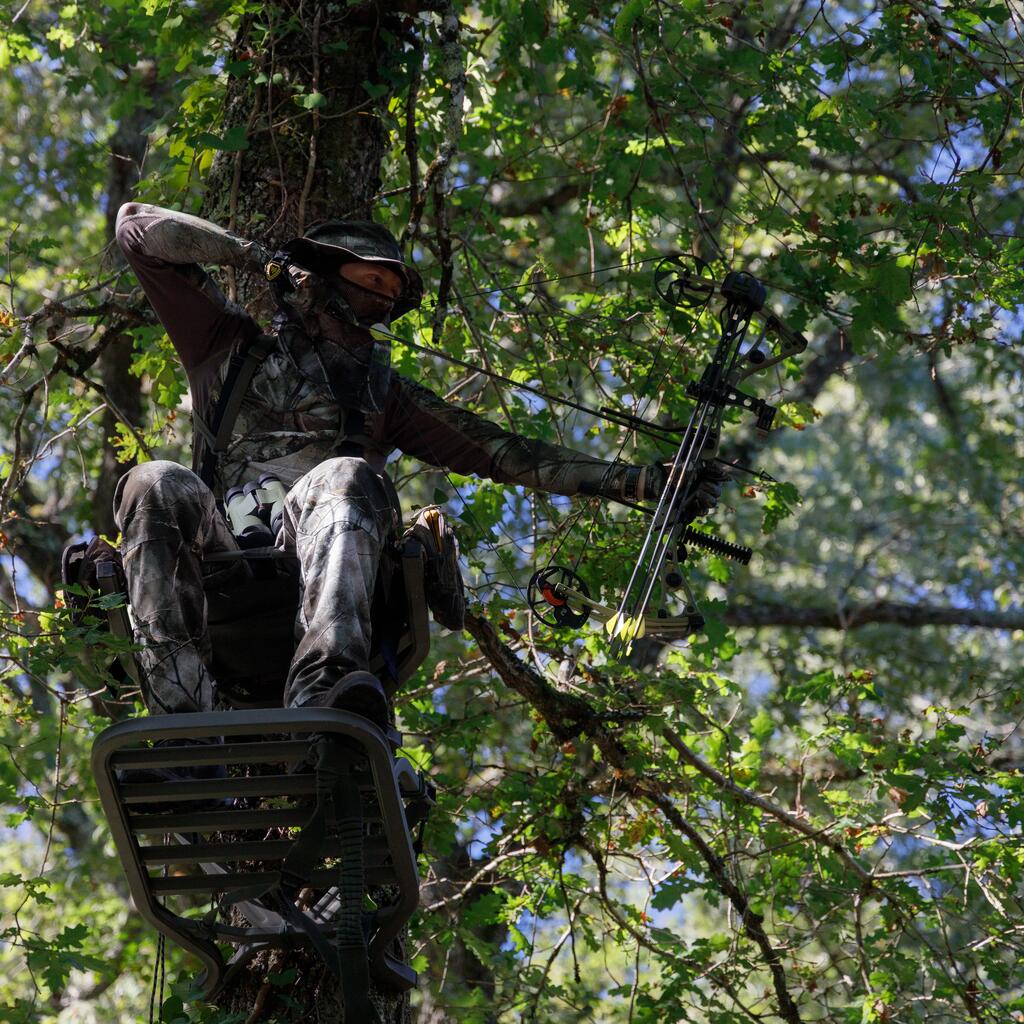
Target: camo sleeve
(165,249)
(424,425)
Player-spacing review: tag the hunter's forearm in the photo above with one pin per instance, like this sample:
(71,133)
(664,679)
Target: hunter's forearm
(182,238)
(425,425)
(167,250)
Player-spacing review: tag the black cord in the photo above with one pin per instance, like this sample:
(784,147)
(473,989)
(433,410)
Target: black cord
(158,982)
(564,277)
(152,988)
(162,953)
(608,414)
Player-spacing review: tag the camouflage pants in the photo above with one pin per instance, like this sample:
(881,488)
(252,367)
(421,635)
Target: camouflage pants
(338,519)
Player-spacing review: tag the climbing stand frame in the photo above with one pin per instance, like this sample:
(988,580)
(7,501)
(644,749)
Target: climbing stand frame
(264,824)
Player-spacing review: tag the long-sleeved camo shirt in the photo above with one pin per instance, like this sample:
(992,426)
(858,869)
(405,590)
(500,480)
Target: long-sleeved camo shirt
(290,421)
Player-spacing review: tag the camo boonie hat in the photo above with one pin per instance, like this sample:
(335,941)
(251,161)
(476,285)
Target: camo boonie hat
(336,242)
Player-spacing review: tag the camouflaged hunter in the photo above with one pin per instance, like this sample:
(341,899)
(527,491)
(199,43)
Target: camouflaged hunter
(322,412)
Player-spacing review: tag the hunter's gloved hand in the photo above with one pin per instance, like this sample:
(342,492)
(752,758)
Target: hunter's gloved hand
(711,478)
(291,284)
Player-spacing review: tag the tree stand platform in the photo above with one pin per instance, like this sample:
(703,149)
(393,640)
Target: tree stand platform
(299,819)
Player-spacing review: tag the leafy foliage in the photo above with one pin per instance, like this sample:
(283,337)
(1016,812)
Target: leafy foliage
(835,766)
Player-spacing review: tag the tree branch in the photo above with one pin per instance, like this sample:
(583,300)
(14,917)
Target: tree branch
(753,799)
(847,617)
(567,716)
(454,73)
(821,163)
(531,206)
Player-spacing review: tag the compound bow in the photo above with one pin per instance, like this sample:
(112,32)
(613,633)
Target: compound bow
(557,594)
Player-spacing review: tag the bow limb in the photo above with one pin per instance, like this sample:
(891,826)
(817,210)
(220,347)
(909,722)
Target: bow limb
(661,541)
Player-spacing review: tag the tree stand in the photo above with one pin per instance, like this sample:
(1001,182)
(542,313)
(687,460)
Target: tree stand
(298,815)
(301,820)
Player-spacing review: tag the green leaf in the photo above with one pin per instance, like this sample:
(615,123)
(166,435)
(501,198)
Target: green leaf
(821,108)
(626,18)
(232,141)
(18,47)
(762,725)
(781,499)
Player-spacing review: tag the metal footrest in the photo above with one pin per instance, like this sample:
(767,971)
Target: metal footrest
(213,834)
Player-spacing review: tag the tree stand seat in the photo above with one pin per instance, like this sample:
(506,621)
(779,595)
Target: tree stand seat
(300,819)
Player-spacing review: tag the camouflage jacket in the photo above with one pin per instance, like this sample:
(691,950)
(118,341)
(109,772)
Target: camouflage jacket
(290,420)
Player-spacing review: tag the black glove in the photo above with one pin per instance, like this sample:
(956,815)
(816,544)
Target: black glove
(650,481)
(711,478)
(291,284)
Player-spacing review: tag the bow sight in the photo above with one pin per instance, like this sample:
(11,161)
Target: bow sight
(558,595)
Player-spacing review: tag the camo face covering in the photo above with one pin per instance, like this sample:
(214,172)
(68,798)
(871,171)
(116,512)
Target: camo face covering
(368,307)
(359,372)
(357,368)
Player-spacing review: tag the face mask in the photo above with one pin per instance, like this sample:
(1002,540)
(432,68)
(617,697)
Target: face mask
(368,306)
(357,371)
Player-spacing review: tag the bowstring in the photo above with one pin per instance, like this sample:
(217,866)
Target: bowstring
(644,400)
(661,522)
(655,548)
(645,397)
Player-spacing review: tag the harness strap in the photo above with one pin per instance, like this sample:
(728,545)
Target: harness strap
(354,440)
(216,435)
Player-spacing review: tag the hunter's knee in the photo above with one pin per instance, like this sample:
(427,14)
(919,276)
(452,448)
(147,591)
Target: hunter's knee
(345,476)
(160,488)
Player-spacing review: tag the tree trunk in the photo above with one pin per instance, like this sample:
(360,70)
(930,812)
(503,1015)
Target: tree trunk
(303,164)
(464,970)
(127,152)
(314,145)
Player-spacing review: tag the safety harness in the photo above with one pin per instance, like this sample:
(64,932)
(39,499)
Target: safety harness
(212,440)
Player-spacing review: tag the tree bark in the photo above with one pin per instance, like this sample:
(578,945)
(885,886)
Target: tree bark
(304,164)
(464,970)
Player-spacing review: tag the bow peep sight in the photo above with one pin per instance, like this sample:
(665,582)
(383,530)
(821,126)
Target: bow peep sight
(558,595)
